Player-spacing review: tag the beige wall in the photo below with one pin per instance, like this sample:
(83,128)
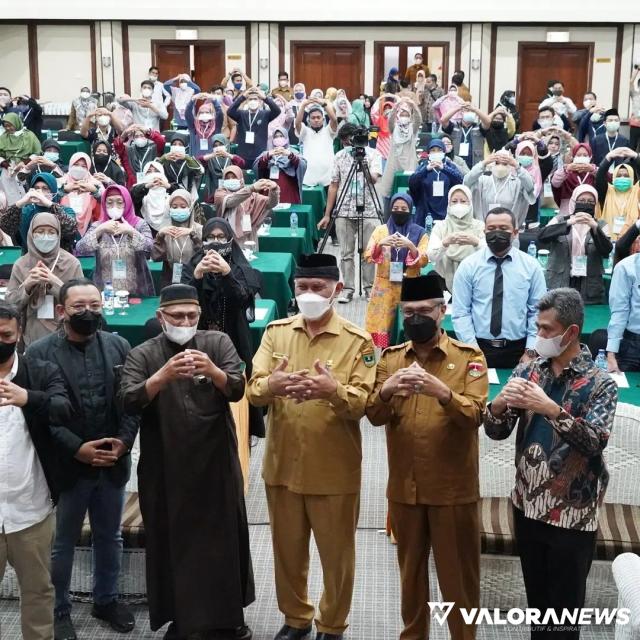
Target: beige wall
(14,58)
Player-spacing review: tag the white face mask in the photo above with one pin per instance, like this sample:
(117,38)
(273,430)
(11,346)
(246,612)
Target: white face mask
(612,126)
(459,209)
(140,142)
(205,117)
(582,160)
(103,121)
(501,170)
(77,173)
(176,148)
(179,335)
(147,93)
(550,347)
(184,85)
(45,243)
(253,105)
(436,156)
(313,306)
(404,119)
(85,95)
(114,213)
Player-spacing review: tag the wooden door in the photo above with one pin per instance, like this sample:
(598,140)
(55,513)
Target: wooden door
(329,64)
(209,66)
(571,64)
(171,58)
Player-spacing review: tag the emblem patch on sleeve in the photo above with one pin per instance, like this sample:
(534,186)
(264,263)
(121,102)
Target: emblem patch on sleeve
(369,358)
(475,369)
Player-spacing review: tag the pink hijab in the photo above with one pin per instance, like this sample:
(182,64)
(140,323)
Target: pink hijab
(84,215)
(128,215)
(580,231)
(534,169)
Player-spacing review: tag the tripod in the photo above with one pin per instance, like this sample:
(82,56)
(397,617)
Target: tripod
(359,183)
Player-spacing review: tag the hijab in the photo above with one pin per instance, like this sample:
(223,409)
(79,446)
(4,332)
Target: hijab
(534,169)
(331,94)
(181,249)
(81,202)
(30,210)
(139,156)
(402,133)
(128,215)
(155,206)
(621,203)
(316,93)
(342,106)
(359,116)
(297,88)
(204,129)
(111,169)
(580,231)
(467,224)
(215,166)
(497,138)
(574,179)
(18,145)
(409,229)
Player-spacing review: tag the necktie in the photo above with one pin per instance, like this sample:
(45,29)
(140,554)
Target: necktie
(496,304)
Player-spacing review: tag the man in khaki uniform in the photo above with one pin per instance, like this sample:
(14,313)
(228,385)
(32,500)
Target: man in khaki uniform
(315,370)
(431,393)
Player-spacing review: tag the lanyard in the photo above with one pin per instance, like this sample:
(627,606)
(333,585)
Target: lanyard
(466,133)
(177,175)
(437,175)
(55,262)
(612,146)
(254,119)
(184,244)
(143,161)
(117,245)
(104,136)
(221,167)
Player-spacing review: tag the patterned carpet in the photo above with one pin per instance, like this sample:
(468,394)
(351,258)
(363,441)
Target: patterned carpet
(375,612)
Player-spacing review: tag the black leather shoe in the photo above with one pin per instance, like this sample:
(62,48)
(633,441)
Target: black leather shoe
(171,633)
(239,633)
(328,636)
(63,628)
(116,614)
(291,633)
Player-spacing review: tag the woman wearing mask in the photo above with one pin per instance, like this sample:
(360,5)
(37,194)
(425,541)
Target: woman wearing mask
(450,153)
(392,84)
(284,166)
(619,198)
(135,148)
(457,236)
(399,250)
(449,102)
(182,89)
(48,162)
(81,107)
(41,197)
(177,241)
(216,162)
(380,114)
(497,128)
(205,118)
(182,170)
(17,143)
(121,243)
(566,178)
(342,106)
(508,185)
(227,286)
(37,276)
(101,124)
(577,245)
(538,163)
(285,118)
(359,115)
(105,169)
(150,197)
(508,102)
(245,206)
(299,96)
(404,123)
(81,191)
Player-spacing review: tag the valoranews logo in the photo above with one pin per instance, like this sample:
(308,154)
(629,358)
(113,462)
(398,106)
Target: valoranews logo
(532,617)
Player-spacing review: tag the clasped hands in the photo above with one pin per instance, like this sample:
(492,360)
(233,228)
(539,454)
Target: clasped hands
(302,385)
(519,393)
(414,380)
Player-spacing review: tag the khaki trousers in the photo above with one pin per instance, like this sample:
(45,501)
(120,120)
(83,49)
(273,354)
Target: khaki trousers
(333,520)
(29,553)
(453,534)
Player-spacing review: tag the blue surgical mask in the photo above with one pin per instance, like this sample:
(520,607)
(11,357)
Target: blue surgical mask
(45,243)
(231,184)
(299,95)
(436,156)
(52,156)
(179,215)
(525,161)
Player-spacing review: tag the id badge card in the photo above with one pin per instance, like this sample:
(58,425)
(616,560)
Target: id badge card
(176,275)
(438,189)
(249,137)
(45,310)
(139,176)
(618,224)
(119,270)
(76,203)
(246,223)
(274,173)
(395,272)
(464,150)
(548,191)
(204,144)
(579,266)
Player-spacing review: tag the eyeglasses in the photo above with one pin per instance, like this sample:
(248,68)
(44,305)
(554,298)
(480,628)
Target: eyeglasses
(192,316)
(96,307)
(424,311)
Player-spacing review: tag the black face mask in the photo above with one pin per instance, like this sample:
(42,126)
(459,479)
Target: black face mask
(101,161)
(223,248)
(85,323)
(420,328)
(400,217)
(497,124)
(498,240)
(585,207)
(7,349)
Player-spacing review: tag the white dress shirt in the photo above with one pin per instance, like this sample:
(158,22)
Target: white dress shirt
(24,494)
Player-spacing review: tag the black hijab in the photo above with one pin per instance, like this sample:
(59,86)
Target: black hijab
(110,168)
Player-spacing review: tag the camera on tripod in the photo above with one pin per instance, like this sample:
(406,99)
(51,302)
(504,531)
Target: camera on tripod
(360,141)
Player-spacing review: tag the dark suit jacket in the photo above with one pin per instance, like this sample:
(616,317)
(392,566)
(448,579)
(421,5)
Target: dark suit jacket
(69,437)
(47,407)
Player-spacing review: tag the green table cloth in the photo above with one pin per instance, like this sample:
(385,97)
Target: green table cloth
(266,312)
(88,264)
(315,196)
(8,255)
(283,240)
(68,148)
(277,278)
(546,215)
(306,219)
(400,179)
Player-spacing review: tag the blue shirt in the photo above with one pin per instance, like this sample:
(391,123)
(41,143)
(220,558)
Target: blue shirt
(524,285)
(423,192)
(624,301)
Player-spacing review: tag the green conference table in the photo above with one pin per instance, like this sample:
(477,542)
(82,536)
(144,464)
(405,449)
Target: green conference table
(596,317)
(88,264)
(277,278)
(9,255)
(316,197)
(401,180)
(131,325)
(306,218)
(69,147)
(282,240)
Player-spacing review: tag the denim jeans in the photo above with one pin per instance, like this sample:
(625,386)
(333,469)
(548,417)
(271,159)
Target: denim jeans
(629,352)
(105,503)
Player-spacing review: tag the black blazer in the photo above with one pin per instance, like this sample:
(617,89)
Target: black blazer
(72,435)
(47,407)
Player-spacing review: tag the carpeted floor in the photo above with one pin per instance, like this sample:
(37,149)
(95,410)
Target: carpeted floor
(375,612)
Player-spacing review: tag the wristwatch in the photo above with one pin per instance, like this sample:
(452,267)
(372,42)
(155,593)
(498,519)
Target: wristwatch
(532,353)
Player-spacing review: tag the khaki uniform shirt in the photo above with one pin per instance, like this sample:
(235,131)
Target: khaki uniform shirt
(286,93)
(412,73)
(314,447)
(433,448)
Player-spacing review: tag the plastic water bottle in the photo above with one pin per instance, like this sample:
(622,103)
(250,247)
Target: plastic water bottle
(601,360)
(532,250)
(293,224)
(108,299)
(428,224)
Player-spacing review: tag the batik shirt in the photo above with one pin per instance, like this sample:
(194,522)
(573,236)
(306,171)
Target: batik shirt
(561,475)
